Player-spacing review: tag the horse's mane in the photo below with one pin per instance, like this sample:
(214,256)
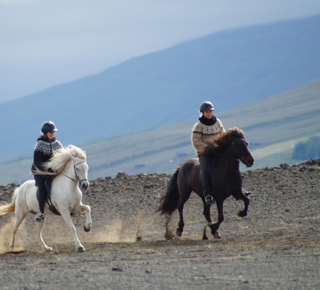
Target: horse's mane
(224,140)
(61,157)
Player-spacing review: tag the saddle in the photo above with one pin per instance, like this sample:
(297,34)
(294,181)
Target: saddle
(48,184)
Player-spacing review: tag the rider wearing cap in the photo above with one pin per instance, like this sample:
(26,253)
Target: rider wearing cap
(43,151)
(204,133)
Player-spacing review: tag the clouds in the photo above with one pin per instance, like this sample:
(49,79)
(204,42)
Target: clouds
(45,43)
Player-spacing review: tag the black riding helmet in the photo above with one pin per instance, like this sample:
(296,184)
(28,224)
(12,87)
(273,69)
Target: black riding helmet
(48,127)
(206,106)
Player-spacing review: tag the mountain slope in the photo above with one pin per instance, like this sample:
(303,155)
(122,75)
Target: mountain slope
(229,68)
(276,123)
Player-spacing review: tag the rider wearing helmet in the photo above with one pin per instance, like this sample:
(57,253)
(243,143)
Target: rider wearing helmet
(204,133)
(43,151)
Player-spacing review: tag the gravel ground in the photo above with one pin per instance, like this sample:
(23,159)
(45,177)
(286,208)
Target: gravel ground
(277,246)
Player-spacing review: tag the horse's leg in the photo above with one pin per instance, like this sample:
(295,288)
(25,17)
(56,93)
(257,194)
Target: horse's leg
(67,218)
(168,235)
(214,226)
(43,245)
(19,217)
(181,222)
(206,213)
(246,201)
(88,223)
(204,235)
(184,196)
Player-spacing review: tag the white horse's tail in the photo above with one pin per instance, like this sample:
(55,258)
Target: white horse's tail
(9,207)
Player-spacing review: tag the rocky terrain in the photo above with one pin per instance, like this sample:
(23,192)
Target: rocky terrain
(277,246)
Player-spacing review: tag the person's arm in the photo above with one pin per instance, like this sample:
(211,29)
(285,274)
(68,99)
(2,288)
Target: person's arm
(196,139)
(38,160)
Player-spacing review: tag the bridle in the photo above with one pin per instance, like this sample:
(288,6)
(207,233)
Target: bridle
(238,156)
(75,172)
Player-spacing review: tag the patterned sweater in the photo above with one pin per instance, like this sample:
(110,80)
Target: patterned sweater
(43,151)
(202,135)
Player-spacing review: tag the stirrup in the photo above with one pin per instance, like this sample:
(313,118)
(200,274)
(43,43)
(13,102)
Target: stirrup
(209,200)
(39,217)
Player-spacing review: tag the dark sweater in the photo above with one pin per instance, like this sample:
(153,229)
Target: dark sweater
(43,151)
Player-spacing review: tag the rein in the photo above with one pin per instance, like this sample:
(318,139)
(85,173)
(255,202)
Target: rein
(69,177)
(235,150)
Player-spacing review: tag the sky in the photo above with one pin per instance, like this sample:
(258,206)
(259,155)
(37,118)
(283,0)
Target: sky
(47,43)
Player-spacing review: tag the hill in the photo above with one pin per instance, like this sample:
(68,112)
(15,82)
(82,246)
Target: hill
(272,126)
(230,68)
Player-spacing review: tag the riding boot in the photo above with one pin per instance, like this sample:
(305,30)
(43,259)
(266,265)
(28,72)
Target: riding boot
(42,200)
(39,217)
(208,198)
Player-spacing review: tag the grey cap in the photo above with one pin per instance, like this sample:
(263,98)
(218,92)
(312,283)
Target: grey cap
(206,106)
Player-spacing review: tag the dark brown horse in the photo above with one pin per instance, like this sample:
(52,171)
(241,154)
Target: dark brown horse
(226,180)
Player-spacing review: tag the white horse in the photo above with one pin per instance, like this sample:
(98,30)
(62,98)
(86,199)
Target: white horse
(71,169)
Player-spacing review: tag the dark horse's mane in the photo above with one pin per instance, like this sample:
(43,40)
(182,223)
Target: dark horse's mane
(224,140)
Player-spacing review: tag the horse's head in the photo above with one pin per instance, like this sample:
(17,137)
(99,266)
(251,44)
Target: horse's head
(234,138)
(81,172)
(242,152)
(63,160)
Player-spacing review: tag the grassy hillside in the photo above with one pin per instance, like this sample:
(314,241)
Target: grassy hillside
(231,68)
(277,123)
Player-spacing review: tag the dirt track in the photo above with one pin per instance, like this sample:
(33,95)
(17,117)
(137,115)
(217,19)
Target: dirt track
(277,246)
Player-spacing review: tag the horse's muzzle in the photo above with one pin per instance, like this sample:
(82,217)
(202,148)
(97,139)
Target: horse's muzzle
(249,161)
(85,184)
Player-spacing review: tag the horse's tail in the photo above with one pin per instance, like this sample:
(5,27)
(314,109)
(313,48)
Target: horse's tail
(169,202)
(9,207)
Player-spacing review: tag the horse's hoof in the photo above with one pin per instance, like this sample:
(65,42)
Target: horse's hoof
(48,249)
(217,235)
(87,228)
(81,249)
(169,236)
(204,238)
(242,214)
(179,233)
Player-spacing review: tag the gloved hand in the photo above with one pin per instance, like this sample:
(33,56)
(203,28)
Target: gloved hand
(211,150)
